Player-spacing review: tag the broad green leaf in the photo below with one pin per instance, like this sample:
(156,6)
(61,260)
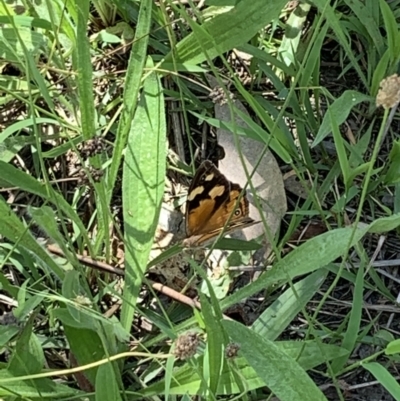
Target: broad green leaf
(63,19)
(384,224)
(274,320)
(393,347)
(24,20)
(7,333)
(288,50)
(86,346)
(79,309)
(133,82)
(14,230)
(143,188)
(28,357)
(9,148)
(280,373)
(339,110)
(10,45)
(226,31)
(186,379)
(237,245)
(17,178)
(106,384)
(312,255)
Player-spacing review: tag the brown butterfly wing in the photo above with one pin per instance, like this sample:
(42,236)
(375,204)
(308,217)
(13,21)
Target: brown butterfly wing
(208,192)
(238,220)
(240,215)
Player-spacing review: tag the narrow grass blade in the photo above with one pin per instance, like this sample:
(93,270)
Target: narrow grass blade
(143,188)
(353,327)
(333,20)
(83,66)
(340,150)
(215,338)
(392,30)
(47,221)
(288,49)
(282,374)
(365,17)
(385,378)
(379,73)
(339,111)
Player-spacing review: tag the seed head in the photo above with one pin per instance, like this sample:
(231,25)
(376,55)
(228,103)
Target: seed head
(231,350)
(186,345)
(389,93)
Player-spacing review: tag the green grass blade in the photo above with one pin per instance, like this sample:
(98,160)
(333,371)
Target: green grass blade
(282,374)
(339,111)
(333,21)
(365,17)
(83,67)
(143,188)
(216,337)
(340,150)
(384,378)
(353,327)
(391,29)
(288,49)
(379,73)
(213,356)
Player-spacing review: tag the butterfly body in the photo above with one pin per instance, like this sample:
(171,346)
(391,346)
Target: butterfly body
(214,203)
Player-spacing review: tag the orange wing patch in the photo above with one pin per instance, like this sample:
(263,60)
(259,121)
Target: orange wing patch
(210,206)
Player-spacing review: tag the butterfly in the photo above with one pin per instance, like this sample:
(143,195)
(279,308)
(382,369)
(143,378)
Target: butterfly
(211,202)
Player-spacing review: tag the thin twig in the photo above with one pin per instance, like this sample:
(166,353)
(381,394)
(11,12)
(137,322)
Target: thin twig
(87,261)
